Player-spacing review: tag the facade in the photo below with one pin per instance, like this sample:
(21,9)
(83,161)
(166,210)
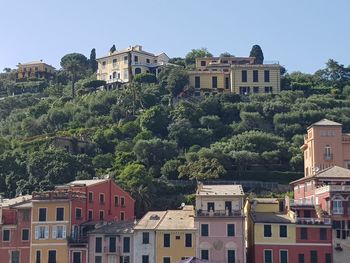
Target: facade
(145,237)
(35,69)
(220,221)
(276,234)
(325,145)
(120,66)
(112,243)
(234,74)
(176,236)
(15,228)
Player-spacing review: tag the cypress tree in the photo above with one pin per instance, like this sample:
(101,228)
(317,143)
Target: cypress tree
(257,53)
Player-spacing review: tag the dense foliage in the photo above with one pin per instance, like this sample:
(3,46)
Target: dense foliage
(148,135)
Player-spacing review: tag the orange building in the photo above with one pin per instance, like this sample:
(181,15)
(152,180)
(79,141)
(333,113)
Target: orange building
(35,69)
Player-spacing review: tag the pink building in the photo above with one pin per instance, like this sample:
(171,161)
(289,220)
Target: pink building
(326,182)
(220,222)
(15,228)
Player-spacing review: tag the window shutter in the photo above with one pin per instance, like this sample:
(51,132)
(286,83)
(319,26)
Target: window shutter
(36,233)
(46,232)
(64,232)
(54,232)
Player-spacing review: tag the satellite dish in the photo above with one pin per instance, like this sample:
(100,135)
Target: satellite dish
(182,205)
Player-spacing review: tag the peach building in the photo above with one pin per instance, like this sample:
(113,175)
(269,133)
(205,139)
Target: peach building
(35,69)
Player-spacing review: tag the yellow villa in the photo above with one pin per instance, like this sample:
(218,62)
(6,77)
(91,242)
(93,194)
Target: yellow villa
(176,236)
(121,66)
(238,75)
(35,69)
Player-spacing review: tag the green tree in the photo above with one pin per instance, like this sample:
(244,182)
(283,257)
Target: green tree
(112,49)
(202,169)
(226,54)
(75,65)
(155,119)
(133,176)
(177,81)
(92,61)
(145,78)
(190,58)
(256,52)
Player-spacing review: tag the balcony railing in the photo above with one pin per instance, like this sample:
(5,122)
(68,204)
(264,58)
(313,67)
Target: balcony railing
(215,213)
(332,188)
(54,195)
(312,221)
(77,240)
(302,202)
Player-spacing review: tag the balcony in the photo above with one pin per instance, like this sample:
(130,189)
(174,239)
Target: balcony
(218,213)
(58,195)
(313,221)
(80,241)
(302,202)
(332,188)
(328,157)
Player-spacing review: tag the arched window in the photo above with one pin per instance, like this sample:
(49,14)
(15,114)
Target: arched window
(328,153)
(114,75)
(137,71)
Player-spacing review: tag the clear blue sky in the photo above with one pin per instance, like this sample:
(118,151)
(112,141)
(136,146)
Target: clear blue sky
(301,34)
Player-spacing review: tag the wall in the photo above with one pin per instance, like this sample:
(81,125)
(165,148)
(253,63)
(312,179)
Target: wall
(144,249)
(275,239)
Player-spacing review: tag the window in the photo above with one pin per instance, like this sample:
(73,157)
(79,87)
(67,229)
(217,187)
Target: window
(102,198)
(14,256)
(124,259)
(122,216)
(268,256)
(283,256)
(52,256)
(268,89)
(227,83)
(25,234)
(203,63)
(114,61)
(323,234)
(98,259)
(26,215)
(303,233)
(42,214)
(197,82)
(177,237)
(244,76)
(91,197)
(38,256)
(313,256)
(116,201)
(230,230)
(145,238)
(214,82)
(205,254)
(98,244)
(166,260)
(137,71)
(112,244)
(255,89)
(267,231)
(125,58)
(41,232)
(166,240)
(210,206)
(145,259)
(244,90)
(328,258)
(59,232)
(327,153)
(255,76)
(90,215)
(59,214)
(188,242)
(122,201)
(136,58)
(337,207)
(102,215)
(6,235)
(78,213)
(126,244)
(301,258)
(76,257)
(204,230)
(267,75)
(148,60)
(283,231)
(231,256)
(103,64)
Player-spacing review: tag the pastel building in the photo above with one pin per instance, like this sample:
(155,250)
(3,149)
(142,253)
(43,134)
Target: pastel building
(15,228)
(279,234)
(145,237)
(176,236)
(121,66)
(112,243)
(220,222)
(239,75)
(35,69)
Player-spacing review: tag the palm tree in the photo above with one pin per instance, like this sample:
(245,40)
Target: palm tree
(142,199)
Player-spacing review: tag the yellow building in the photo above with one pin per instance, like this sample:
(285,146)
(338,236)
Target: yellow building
(51,217)
(35,69)
(120,66)
(234,74)
(176,236)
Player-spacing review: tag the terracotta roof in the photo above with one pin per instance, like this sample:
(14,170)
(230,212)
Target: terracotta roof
(325,122)
(16,201)
(150,220)
(115,228)
(220,190)
(178,220)
(330,172)
(269,217)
